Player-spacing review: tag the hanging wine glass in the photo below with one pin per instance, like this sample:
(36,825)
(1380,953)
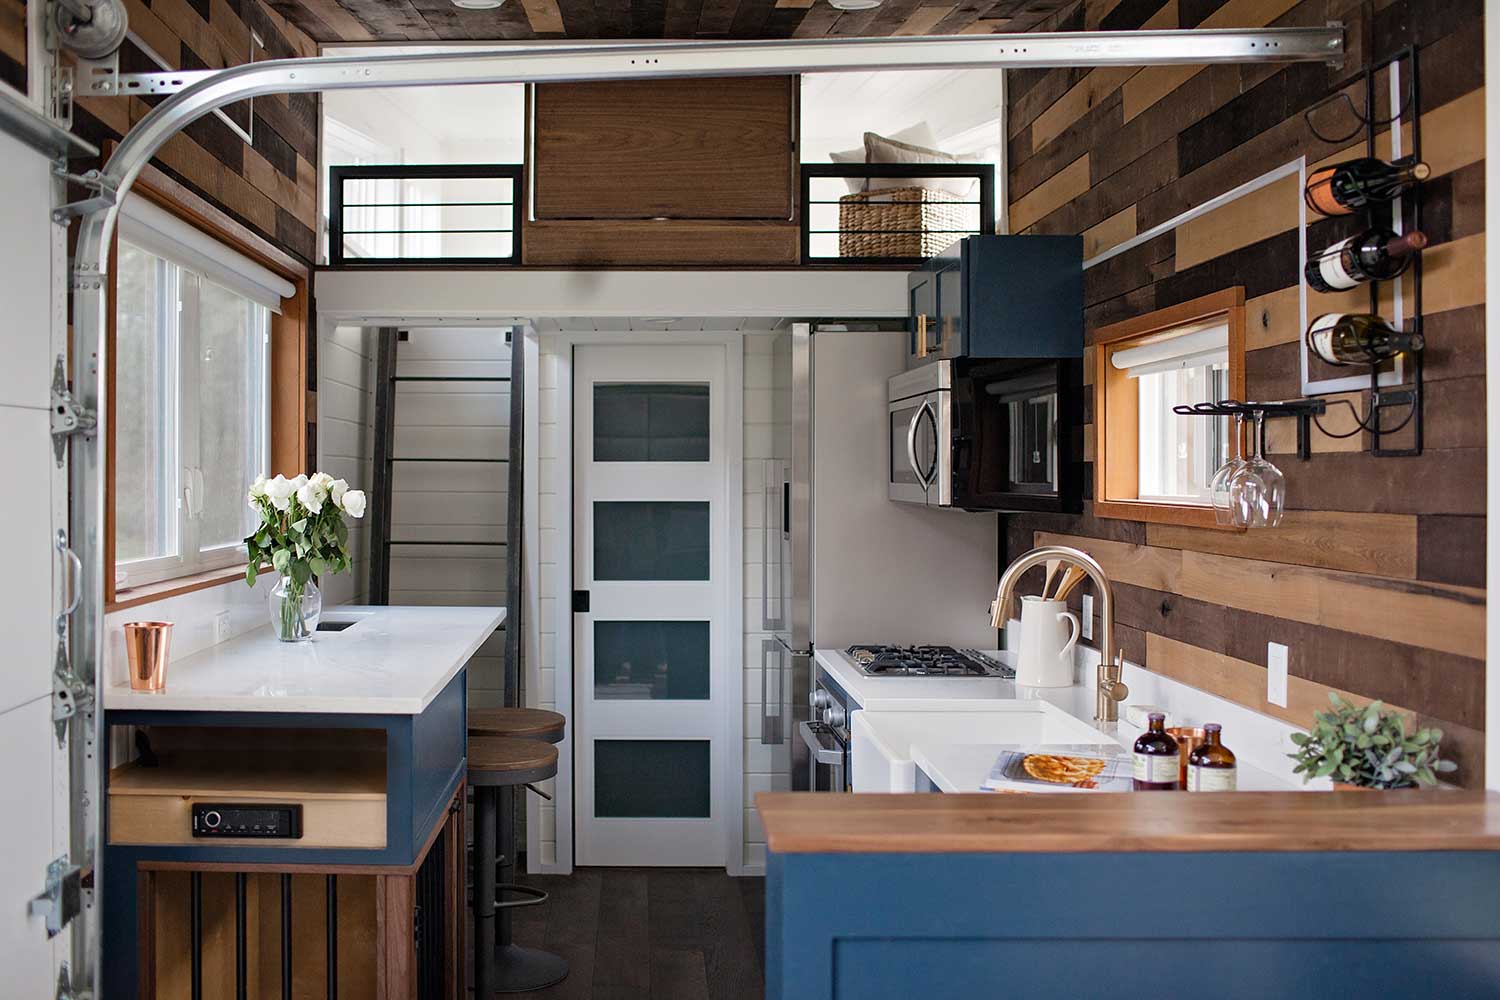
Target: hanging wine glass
(1258,489)
(1218,487)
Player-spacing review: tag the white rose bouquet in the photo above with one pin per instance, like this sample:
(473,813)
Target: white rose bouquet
(303,533)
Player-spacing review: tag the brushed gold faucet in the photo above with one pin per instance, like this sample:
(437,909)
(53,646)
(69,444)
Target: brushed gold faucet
(1109,690)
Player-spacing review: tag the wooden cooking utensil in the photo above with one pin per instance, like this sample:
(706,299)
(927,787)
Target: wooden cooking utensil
(1070,580)
(1053,565)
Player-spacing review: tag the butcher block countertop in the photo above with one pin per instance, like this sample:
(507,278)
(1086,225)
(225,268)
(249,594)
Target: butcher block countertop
(823,823)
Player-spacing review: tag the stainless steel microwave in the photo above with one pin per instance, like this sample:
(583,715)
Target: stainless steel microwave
(987,434)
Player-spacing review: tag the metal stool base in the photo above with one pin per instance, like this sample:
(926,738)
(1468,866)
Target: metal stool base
(520,970)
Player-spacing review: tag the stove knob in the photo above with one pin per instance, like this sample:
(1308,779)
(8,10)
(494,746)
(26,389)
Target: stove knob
(833,716)
(818,700)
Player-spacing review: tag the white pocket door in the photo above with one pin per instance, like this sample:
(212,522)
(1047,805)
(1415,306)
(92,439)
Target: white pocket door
(650,541)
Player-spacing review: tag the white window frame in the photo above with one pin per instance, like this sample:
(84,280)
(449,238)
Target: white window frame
(183,286)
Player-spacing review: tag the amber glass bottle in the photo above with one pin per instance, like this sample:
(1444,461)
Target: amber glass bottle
(1155,758)
(1211,766)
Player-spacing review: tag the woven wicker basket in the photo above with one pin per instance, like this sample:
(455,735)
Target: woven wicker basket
(900,222)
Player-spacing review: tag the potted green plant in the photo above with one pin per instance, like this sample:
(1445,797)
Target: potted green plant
(1367,747)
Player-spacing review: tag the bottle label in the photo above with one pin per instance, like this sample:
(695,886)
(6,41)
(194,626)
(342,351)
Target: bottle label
(1211,779)
(1331,266)
(1320,193)
(1155,769)
(1320,337)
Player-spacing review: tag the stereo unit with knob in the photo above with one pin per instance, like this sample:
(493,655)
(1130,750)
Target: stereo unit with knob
(230,819)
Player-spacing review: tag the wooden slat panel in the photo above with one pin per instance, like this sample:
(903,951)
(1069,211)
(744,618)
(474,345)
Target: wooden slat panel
(1241,682)
(1257,216)
(1449,619)
(1384,544)
(1061,188)
(1110,233)
(685,149)
(923,20)
(595,244)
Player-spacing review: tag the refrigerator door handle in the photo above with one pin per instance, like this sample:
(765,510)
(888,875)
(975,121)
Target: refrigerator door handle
(771,552)
(772,723)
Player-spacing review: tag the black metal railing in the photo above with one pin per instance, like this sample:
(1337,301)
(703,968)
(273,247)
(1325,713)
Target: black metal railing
(455,215)
(241,930)
(863,214)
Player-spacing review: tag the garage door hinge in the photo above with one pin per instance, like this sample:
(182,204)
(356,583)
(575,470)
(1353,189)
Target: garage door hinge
(70,695)
(61,900)
(68,415)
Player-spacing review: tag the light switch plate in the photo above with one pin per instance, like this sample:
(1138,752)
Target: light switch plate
(1088,616)
(221,626)
(1276,657)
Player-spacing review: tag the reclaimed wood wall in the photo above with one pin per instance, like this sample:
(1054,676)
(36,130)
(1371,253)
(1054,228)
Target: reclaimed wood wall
(270,185)
(13,43)
(1375,581)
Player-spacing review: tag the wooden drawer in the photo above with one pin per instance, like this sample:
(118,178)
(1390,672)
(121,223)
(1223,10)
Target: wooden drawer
(677,149)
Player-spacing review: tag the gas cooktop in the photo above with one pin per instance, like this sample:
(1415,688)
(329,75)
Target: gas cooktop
(925,661)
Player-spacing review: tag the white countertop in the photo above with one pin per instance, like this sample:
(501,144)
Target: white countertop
(948,754)
(392,661)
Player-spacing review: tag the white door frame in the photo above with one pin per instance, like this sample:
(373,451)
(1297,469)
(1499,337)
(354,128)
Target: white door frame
(556,599)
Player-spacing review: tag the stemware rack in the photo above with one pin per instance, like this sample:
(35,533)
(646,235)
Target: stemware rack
(1304,410)
(1407,397)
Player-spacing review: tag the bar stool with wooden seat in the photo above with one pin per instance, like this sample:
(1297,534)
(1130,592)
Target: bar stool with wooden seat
(497,767)
(518,723)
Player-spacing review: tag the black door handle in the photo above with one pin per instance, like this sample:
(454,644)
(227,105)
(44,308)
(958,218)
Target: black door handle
(580,602)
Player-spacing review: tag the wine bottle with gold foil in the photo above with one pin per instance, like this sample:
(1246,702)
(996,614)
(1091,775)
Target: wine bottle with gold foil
(1357,339)
(1347,187)
(1211,765)
(1155,758)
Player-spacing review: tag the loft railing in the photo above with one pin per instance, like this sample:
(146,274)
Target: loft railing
(460,214)
(863,214)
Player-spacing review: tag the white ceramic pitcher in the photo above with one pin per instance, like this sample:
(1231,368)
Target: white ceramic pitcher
(1049,631)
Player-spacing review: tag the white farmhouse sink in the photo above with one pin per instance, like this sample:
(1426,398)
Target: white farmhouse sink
(881,752)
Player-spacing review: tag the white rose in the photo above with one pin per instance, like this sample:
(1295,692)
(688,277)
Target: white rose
(280,490)
(258,488)
(336,490)
(323,480)
(354,503)
(312,496)
(300,481)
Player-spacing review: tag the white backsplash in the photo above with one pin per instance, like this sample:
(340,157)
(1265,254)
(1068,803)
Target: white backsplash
(1260,740)
(192,616)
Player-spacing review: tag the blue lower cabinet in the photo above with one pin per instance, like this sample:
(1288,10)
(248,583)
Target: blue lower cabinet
(1231,926)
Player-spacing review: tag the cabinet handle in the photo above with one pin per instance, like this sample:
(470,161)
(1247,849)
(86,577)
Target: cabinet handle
(921,335)
(771,722)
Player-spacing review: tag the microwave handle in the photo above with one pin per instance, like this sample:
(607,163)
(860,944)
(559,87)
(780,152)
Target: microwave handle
(911,444)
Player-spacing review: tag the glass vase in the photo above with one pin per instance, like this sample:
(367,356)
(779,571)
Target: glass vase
(295,609)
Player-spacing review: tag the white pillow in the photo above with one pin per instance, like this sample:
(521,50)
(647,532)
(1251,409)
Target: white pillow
(919,134)
(880,149)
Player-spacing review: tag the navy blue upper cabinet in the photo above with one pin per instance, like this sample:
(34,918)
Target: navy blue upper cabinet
(999,297)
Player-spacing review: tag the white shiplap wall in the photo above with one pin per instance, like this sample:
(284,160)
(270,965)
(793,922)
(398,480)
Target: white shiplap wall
(346,379)
(453,501)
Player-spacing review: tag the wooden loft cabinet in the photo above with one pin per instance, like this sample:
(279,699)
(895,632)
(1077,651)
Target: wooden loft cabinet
(663,172)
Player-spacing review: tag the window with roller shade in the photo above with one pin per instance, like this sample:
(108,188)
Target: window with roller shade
(1154,464)
(192,397)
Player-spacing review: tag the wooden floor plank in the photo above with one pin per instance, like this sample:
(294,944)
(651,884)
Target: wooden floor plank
(678,975)
(621,971)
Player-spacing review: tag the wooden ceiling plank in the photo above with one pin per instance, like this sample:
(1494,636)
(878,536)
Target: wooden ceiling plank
(922,20)
(545,17)
(391,20)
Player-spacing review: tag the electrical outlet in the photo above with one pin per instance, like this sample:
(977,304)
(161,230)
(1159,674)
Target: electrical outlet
(1276,655)
(1088,616)
(221,626)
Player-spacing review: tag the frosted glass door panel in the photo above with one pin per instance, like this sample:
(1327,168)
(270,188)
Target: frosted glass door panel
(651,660)
(651,779)
(651,422)
(651,540)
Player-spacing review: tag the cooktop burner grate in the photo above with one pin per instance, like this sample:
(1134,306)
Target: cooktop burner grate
(925,661)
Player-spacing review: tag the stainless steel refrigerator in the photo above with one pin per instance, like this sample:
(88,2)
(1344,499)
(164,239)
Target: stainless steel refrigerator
(841,563)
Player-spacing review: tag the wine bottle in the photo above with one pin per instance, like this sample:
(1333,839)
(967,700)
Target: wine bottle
(1211,766)
(1373,255)
(1154,760)
(1347,187)
(1357,339)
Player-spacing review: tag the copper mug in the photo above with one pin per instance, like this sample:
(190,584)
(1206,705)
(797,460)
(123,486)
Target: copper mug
(1188,739)
(148,645)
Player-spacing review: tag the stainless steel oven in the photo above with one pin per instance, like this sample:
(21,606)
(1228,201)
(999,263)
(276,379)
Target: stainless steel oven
(826,736)
(994,434)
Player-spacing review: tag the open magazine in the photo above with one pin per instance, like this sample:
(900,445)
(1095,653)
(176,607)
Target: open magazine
(1060,767)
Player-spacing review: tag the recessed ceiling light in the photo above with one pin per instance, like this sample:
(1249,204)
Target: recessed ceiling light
(854,4)
(477,4)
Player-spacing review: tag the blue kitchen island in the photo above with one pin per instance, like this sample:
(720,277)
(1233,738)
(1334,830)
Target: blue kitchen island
(1243,896)
(289,819)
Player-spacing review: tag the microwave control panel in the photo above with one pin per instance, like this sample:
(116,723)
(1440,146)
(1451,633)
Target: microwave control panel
(258,819)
